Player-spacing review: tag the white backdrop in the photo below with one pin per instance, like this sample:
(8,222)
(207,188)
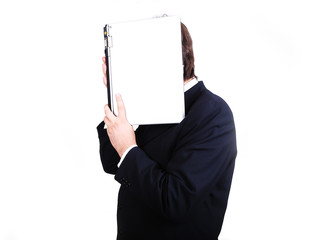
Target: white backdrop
(263,57)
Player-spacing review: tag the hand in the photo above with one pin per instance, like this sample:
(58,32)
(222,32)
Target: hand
(104,70)
(119,130)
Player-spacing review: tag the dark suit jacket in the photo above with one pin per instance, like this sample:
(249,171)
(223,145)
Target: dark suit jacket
(175,184)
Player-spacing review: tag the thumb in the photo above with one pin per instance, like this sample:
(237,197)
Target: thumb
(120,105)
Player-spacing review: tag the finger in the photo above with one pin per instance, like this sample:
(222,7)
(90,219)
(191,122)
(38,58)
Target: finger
(121,107)
(103,59)
(104,69)
(110,116)
(105,81)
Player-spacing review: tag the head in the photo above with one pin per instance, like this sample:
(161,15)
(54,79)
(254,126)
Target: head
(187,53)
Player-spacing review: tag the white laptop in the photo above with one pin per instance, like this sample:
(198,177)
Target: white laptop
(144,60)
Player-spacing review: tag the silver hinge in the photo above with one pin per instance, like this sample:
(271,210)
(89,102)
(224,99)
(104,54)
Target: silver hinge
(110,43)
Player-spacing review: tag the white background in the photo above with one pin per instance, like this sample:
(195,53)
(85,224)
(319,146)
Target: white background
(264,58)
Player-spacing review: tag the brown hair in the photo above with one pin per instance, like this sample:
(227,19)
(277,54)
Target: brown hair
(187,53)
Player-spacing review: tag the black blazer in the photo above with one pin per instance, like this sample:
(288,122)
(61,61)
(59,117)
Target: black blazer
(175,184)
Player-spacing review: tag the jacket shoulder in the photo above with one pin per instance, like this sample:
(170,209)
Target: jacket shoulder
(209,106)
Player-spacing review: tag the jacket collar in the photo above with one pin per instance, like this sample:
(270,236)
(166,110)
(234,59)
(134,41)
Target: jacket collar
(192,94)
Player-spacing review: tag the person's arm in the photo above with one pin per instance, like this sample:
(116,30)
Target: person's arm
(117,139)
(109,156)
(202,157)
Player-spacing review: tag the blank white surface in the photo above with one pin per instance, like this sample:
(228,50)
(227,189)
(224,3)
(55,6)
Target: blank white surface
(263,58)
(140,53)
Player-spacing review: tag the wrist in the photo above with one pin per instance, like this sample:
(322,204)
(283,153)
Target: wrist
(124,152)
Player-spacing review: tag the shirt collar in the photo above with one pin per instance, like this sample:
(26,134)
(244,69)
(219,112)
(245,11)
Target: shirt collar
(190,84)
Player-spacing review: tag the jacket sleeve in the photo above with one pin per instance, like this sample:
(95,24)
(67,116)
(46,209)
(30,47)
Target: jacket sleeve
(109,156)
(205,151)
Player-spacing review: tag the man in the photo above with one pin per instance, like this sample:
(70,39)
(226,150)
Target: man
(175,178)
